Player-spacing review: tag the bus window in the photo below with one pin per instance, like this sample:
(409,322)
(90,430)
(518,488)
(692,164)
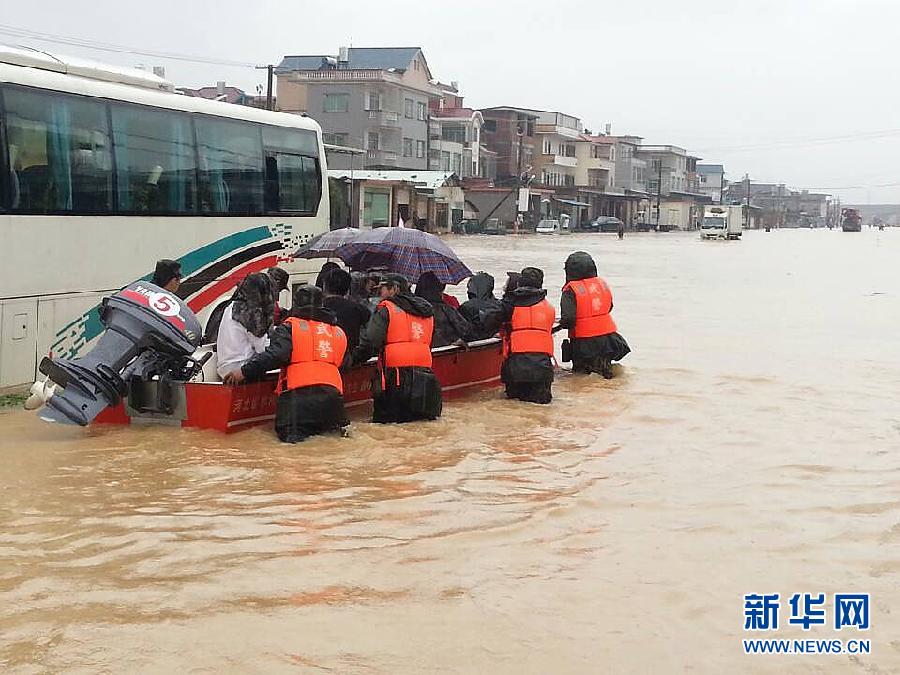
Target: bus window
(292,171)
(292,183)
(231,166)
(155,166)
(58,152)
(295,141)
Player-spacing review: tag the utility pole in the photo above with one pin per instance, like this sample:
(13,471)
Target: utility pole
(521,134)
(270,74)
(747,216)
(658,190)
(722,188)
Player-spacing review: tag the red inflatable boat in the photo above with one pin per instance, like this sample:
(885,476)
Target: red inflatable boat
(228,408)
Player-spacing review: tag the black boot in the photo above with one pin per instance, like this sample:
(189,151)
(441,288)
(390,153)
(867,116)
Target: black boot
(606,369)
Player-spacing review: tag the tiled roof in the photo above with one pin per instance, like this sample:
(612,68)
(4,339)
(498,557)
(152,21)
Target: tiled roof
(605,140)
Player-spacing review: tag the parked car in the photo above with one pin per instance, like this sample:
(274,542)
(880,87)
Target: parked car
(548,226)
(606,224)
(494,226)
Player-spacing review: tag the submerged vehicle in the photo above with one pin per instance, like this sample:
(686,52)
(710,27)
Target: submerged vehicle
(851,221)
(147,367)
(548,226)
(722,222)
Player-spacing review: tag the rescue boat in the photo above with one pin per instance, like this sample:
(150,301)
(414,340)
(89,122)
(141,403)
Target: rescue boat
(229,408)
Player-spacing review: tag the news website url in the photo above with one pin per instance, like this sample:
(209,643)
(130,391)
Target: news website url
(807,646)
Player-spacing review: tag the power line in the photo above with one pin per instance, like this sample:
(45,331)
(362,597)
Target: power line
(801,143)
(68,40)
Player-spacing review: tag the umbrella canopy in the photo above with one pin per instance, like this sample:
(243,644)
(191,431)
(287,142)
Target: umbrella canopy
(324,245)
(408,252)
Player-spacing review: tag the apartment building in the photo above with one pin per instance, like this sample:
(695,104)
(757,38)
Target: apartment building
(509,133)
(374,98)
(454,136)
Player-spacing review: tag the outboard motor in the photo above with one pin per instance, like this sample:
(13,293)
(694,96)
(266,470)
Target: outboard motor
(149,333)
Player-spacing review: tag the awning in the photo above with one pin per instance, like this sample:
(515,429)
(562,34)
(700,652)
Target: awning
(570,202)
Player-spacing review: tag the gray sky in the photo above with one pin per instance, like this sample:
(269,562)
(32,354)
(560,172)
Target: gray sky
(793,91)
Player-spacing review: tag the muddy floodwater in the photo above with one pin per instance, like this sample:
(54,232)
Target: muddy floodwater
(751,443)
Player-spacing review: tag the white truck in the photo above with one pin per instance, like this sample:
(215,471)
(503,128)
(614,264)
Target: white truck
(722,222)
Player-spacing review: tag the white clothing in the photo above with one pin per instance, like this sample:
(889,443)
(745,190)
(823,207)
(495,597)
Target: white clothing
(235,344)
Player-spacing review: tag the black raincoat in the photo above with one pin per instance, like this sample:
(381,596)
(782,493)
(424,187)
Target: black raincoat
(305,411)
(399,394)
(482,310)
(594,354)
(528,377)
(449,324)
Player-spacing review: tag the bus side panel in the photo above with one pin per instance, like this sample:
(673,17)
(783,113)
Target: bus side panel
(61,320)
(17,341)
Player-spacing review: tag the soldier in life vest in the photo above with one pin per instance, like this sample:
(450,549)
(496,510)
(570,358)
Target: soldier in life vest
(527,324)
(400,330)
(310,348)
(585,310)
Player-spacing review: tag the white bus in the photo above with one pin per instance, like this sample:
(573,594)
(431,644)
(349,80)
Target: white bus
(104,170)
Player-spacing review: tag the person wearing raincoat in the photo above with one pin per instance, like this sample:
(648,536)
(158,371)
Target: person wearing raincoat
(585,310)
(310,349)
(482,309)
(405,387)
(527,322)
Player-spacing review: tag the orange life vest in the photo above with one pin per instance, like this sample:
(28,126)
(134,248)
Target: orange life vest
(530,329)
(593,303)
(408,338)
(317,353)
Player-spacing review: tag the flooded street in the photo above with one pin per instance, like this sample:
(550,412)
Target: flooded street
(751,443)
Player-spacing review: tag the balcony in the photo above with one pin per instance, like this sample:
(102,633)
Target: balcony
(381,157)
(384,118)
(561,160)
(344,75)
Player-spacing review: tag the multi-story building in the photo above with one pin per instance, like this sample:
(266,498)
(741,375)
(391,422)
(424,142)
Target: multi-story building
(371,98)
(454,136)
(673,184)
(712,181)
(508,132)
(779,206)
(557,136)
(631,169)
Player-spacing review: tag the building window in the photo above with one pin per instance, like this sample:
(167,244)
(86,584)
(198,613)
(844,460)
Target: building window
(490,126)
(453,134)
(612,154)
(58,153)
(155,166)
(337,102)
(408,108)
(567,150)
(421,111)
(373,140)
(457,164)
(373,100)
(420,149)
(231,166)
(568,180)
(337,138)
(548,147)
(445,161)
(407,147)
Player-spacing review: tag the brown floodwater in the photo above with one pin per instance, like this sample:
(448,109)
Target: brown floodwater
(751,443)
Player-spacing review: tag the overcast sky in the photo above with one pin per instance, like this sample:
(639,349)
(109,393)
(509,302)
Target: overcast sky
(800,92)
